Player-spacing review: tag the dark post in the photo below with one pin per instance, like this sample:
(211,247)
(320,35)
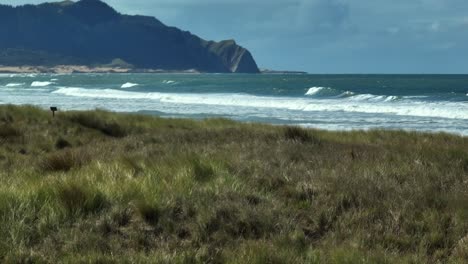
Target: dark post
(53,109)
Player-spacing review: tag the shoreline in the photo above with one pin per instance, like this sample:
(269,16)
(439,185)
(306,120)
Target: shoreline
(69,69)
(197,118)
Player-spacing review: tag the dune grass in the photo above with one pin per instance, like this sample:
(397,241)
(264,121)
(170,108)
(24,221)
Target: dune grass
(99,187)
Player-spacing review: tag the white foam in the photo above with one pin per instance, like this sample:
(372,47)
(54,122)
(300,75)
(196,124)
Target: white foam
(168,82)
(346,94)
(314,90)
(40,84)
(53,80)
(14,84)
(373,98)
(129,85)
(358,104)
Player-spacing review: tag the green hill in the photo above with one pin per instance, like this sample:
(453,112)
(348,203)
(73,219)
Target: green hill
(89,32)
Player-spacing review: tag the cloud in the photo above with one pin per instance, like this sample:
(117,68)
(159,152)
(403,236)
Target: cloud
(322,14)
(435,26)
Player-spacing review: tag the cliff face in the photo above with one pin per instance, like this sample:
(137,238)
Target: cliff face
(90,32)
(236,58)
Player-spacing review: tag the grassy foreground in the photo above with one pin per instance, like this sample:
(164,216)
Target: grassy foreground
(99,187)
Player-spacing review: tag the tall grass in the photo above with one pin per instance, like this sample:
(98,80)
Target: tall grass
(94,187)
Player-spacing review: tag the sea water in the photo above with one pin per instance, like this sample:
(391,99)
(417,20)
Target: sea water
(430,103)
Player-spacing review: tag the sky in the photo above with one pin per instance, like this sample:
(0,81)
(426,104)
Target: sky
(325,36)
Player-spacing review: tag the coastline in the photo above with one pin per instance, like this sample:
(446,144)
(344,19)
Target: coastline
(68,69)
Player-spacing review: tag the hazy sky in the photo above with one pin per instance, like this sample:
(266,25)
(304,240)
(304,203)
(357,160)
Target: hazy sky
(326,36)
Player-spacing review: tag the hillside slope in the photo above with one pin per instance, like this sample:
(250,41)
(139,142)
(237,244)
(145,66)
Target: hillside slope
(90,32)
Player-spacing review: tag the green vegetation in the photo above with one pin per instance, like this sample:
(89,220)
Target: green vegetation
(54,34)
(99,187)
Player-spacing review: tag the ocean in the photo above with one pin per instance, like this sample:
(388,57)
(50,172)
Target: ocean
(429,103)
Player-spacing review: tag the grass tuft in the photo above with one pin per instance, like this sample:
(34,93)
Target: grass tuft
(64,160)
(9,132)
(91,120)
(79,199)
(150,213)
(203,171)
(298,134)
(62,144)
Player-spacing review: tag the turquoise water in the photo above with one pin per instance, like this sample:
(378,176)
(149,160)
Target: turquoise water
(336,102)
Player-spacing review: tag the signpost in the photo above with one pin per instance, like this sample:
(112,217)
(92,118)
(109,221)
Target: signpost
(53,109)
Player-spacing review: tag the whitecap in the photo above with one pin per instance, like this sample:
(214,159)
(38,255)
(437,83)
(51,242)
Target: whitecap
(346,94)
(14,84)
(314,90)
(373,98)
(129,85)
(169,82)
(40,84)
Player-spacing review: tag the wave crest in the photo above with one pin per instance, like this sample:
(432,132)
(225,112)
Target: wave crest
(374,98)
(41,84)
(364,103)
(129,85)
(14,84)
(315,90)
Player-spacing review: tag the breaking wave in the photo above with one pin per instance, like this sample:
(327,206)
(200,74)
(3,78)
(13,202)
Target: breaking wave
(41,84)
(356,103)
(374,98)
(14,84)
(326,92)
(315,90)
(129,85)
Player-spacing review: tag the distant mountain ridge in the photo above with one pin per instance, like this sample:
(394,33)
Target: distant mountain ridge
(90,32)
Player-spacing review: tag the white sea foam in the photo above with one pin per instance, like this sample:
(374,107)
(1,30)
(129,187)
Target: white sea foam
(129,85)
(327,91)
(355,104)
(40,84)
(314,90)
(14,84)
(53,80)
(346,94)
(169,82)
(373,98)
